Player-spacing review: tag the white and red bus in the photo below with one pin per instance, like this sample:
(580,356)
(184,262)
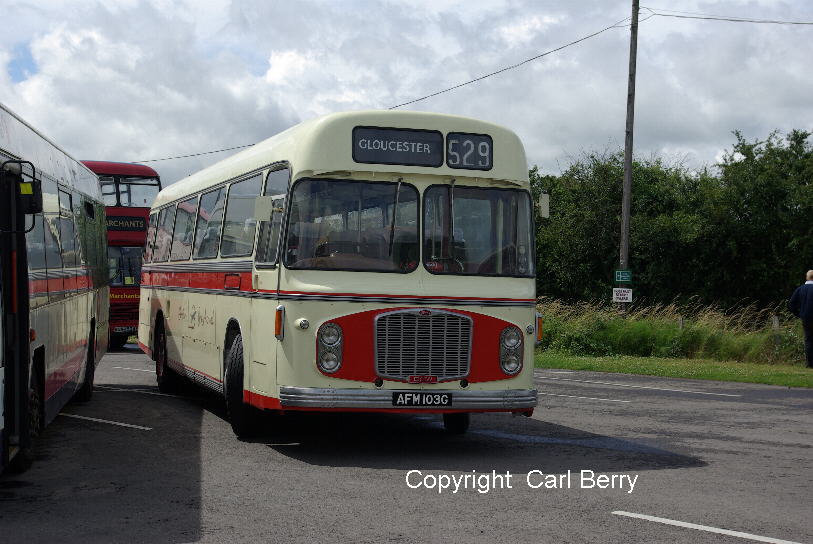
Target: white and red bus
(53,284)
(369,261)
(128,190)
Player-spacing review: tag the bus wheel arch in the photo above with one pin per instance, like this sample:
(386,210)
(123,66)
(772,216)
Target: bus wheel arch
(168,381)
(85,391)
(242,416)
(233,330)
(158,322)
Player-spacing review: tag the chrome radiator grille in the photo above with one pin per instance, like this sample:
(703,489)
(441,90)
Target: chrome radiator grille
(422,343)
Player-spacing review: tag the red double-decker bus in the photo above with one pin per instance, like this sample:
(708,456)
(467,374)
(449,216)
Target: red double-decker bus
(128,191)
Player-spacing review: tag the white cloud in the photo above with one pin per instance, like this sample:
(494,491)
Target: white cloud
(150,79)
(524,30)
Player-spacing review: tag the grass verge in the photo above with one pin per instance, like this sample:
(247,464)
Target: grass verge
(695,369)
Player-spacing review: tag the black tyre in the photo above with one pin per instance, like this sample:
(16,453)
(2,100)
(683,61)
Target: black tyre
(242,416)
(456,423)
(168,381)
(85,392)
(36,422)
(117,341)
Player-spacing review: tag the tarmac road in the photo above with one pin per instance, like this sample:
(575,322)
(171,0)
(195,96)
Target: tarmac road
(719,455)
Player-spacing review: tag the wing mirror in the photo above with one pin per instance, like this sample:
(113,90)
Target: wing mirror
(28,189)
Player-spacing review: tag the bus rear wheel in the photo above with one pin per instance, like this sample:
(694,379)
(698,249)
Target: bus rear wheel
(36,422)
(117,341)
(241,415)
(168,381)
(457,423)
(85,392)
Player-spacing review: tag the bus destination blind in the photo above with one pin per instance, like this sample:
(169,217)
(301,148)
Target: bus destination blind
(406,147)
(116,222)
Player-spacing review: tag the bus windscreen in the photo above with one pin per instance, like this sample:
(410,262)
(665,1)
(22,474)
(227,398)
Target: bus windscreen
(125,266)
(477,231)
(130,192)
(350,225)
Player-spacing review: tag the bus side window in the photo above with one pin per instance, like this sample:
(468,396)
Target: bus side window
(207,227)
(35,245)
(240,225)
(53,257)
(163,235)
(150,242)
(100,242)
(67,237)
(79,219)
(268,240)
(108,191)
(184,228)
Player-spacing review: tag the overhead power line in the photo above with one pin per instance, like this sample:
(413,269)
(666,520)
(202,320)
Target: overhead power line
(511,67)
(708,17)
(494,73)
(654,12)
(196,154)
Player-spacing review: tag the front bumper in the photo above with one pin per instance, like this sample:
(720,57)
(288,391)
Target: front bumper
(381,399)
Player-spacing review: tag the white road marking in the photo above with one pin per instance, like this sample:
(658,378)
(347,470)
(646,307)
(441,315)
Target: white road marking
(575,397)
(642,387)
(706,528)
(143,391)
(119,423)
(560,371)
(136,369)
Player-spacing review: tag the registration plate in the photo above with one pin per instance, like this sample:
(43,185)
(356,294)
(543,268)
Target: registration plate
(408,399)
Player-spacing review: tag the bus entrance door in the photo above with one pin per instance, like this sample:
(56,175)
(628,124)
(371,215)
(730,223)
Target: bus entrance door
(19,194)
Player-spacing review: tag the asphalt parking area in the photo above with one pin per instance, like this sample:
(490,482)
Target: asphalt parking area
(154,468)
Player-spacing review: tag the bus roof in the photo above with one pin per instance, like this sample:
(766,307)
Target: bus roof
(120,169)
(324,145)
(21,141)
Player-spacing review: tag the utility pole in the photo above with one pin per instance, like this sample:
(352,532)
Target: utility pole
(626,199)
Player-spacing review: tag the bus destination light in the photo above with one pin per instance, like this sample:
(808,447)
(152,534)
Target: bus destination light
(409,147)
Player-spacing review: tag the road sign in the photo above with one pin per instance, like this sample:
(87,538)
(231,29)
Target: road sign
(622,294)
(623,276)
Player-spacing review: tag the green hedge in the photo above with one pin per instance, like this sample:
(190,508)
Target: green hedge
(592,329)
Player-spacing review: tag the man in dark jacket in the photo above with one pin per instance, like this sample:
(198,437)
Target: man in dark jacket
(801,305)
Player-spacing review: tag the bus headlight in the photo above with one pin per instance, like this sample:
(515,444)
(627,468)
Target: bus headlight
(329,348)
(511,338)
(328,362)
(330,334)
(511,350)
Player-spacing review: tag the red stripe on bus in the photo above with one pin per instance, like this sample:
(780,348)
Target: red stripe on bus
(271,403)
(217,281)
(261,401)
(64,374)
(145,349)
(320,293)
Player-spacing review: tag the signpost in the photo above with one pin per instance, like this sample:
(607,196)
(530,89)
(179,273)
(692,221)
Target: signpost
(622,294)
(623,276)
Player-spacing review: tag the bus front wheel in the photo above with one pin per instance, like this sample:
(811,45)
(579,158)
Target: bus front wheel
(241,415)
(456,423)
(168,381)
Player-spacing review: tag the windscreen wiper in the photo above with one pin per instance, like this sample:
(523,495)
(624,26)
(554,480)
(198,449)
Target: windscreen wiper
(450,256)
(394,211)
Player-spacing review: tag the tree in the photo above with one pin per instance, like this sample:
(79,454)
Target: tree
(741,235)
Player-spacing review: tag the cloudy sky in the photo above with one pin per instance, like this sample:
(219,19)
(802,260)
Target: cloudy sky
(131,80)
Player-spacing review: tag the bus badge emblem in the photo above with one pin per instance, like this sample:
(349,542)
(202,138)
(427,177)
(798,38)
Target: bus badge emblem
(423,379)
(425,312)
